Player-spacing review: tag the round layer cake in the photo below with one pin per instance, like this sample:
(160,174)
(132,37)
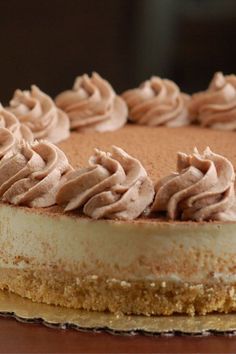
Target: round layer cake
(149,265)
(143,266)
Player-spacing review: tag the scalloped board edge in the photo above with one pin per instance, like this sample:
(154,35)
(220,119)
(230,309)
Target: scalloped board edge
(24,310)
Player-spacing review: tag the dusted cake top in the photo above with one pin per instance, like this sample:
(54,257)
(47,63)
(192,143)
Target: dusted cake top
(155,148)
(147,145)
(116,185)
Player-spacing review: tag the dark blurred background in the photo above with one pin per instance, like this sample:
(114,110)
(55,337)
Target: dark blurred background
(50,42)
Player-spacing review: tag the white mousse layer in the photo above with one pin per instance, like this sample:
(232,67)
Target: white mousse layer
(189,252)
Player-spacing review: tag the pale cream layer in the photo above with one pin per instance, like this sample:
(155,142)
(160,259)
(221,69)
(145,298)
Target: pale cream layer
(178,251)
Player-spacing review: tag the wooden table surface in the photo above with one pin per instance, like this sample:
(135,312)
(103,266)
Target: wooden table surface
(18,337)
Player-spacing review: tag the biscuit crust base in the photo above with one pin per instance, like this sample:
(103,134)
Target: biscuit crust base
(137,297)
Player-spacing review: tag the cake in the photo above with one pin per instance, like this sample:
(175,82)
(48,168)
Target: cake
(104,220)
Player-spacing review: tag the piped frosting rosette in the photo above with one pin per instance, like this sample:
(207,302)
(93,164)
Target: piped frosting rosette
(31,174)
(93,105)
(158,102)
(202,189)
(9,121)
(114,186)
(216,107)
(38,112)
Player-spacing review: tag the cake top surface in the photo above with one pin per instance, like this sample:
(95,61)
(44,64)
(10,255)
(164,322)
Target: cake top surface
(109,186)
(156,148)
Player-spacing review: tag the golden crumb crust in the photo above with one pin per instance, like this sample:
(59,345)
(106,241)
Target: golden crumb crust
(136,297)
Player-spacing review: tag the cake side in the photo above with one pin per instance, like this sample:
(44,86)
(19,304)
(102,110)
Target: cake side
(156,268)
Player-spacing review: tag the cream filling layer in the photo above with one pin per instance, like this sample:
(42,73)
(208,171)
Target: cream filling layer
(152,251)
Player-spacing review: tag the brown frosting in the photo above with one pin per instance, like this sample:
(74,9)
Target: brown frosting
(93,105)
(114,186)
(202,189)
(9,121)
(38,111)
(216,107)
(158,102)
(31,174)
(7,142)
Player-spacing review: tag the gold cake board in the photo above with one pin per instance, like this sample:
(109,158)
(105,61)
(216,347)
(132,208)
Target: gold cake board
(60,317)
